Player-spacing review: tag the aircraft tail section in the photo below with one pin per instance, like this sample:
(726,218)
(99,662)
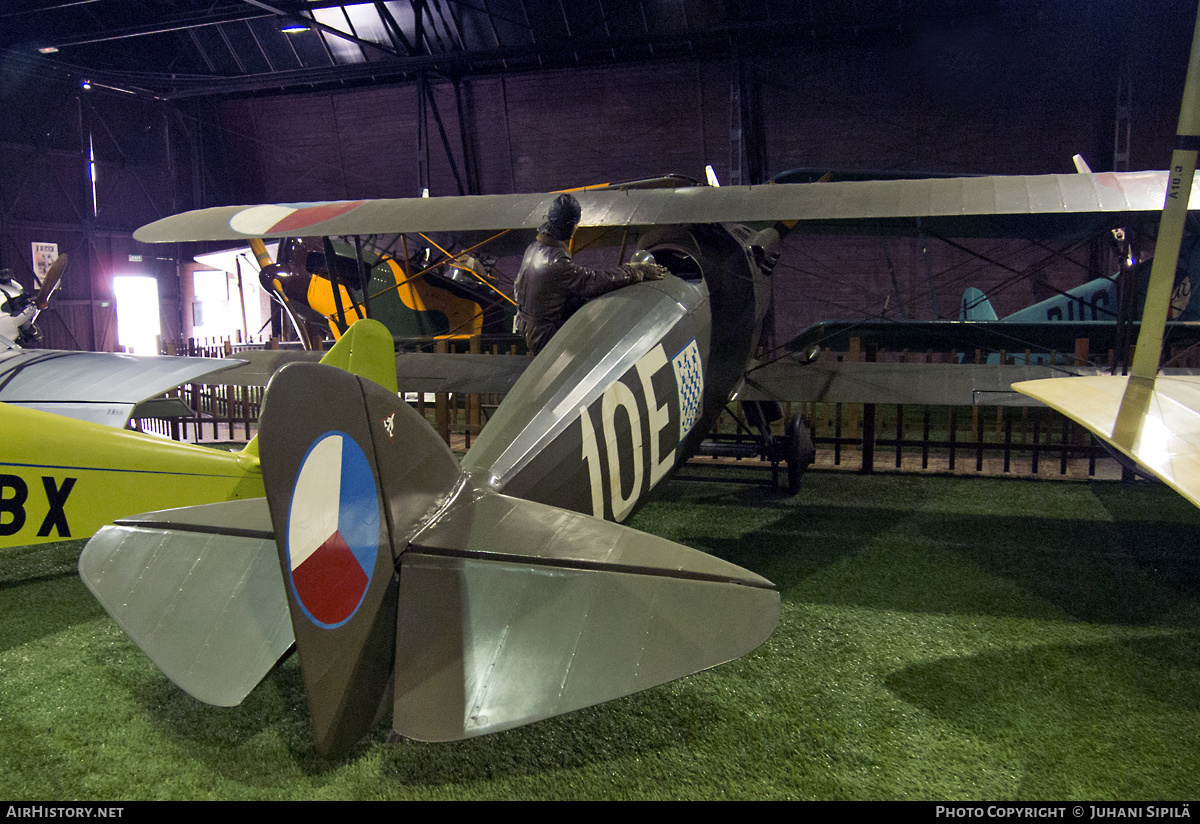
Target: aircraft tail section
(392,572)
(198,588)
(366,350)
(975,306)
(334,533)
(483,611)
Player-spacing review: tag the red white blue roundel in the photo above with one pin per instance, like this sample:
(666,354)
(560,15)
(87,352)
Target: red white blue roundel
(333,530)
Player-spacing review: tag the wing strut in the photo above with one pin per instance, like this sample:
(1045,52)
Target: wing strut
(1170,231)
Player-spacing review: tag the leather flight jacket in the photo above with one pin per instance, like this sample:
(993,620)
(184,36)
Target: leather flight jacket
(550,287)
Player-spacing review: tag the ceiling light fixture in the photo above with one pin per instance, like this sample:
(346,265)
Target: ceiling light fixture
(291,25)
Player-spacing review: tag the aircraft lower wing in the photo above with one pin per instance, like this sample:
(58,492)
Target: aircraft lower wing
(415,371)
(1155,423)
(966,336)
(254,367)
(99,387)
(922,384)
(436,372)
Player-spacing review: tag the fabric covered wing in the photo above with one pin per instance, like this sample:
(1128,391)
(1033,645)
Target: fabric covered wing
(513,611)
(101,387)
(850,200)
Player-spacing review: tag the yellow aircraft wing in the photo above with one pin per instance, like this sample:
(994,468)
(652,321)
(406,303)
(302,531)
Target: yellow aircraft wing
(1155,423)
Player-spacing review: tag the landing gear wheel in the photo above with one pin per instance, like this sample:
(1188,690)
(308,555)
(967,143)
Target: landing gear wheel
(799,452)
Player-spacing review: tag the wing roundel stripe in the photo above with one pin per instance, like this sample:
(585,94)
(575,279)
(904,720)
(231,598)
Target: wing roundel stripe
(310,215)
(256,221)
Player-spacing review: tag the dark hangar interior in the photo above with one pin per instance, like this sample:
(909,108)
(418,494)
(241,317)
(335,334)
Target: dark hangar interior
(119,112)
(940,630)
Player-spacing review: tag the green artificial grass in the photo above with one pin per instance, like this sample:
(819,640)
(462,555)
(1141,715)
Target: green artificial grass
(941,638)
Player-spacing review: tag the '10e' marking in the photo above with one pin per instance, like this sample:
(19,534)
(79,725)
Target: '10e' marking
(617,395)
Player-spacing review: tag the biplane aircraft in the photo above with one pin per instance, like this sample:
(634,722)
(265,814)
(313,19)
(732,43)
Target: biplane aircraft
(485,594)
(324,283)
(1092,310)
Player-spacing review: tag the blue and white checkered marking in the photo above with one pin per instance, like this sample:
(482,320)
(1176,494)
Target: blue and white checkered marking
(689,379)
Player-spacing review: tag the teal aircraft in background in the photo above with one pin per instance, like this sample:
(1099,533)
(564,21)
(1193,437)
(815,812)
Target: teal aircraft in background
(1092,311)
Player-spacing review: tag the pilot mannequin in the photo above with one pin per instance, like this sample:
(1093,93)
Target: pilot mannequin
(550,287)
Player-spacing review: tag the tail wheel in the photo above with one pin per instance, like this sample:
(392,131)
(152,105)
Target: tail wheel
(799,452)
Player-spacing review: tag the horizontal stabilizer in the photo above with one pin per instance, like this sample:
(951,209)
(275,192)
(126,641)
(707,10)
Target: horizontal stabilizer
(1155,423)
(512,612)
(198,589)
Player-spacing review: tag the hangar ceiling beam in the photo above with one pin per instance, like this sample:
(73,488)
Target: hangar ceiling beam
(217,18)
(395,33)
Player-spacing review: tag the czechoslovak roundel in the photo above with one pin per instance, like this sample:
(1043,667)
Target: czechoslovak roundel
(333,530)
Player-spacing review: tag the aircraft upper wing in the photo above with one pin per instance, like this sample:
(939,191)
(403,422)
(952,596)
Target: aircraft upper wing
(876,200)
(101,387)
